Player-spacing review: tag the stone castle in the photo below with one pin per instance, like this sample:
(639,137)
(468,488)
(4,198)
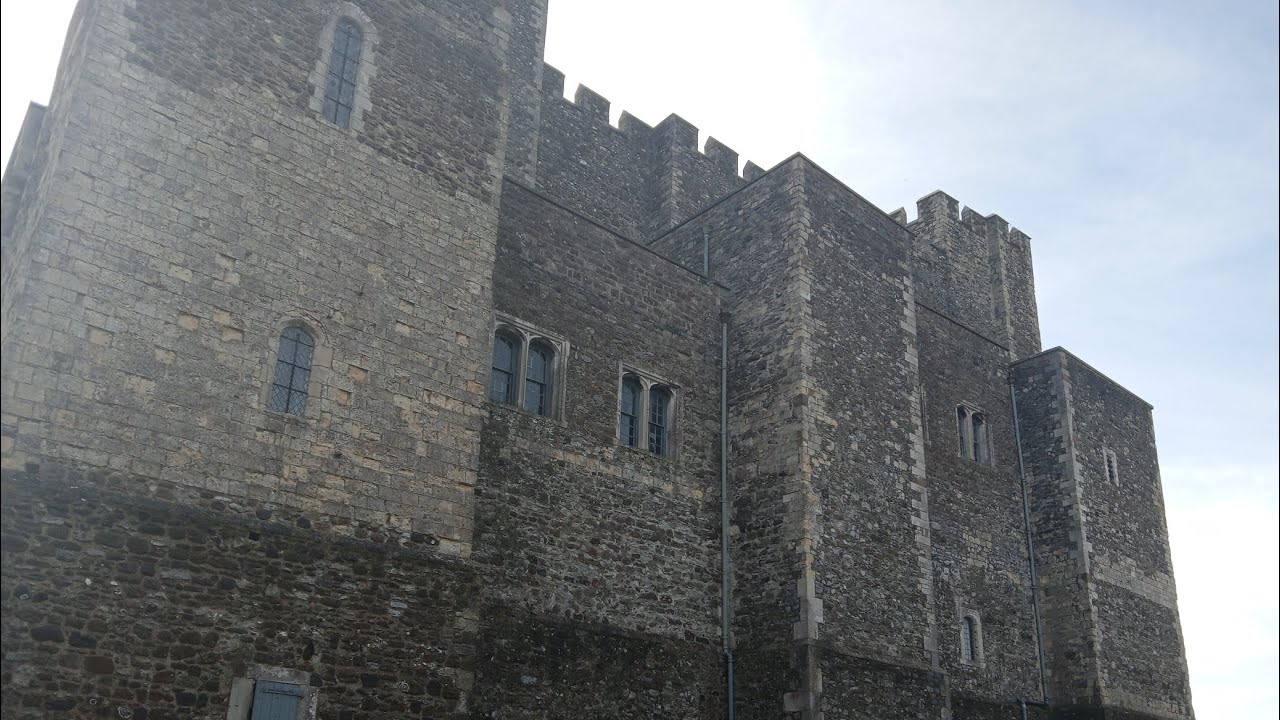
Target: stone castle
(351,371)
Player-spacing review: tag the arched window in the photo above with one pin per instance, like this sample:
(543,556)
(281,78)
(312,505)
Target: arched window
(979,438)
(344,65)
(502,383)
(1112,465)
(629,416)
(527,368)
(971,432)
(537,379)
(969,639)
(293,371)
(659,419)
(646,413)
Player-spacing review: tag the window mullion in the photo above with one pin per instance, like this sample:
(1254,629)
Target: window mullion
(522,370)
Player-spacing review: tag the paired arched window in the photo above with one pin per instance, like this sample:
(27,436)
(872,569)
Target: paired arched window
(343,74)
(645,414)
(974,440)
(524,369)
(292,371)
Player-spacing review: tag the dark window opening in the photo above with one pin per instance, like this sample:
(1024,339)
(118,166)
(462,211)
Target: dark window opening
(537,381)
(502,382)
(629,417)
(659,406)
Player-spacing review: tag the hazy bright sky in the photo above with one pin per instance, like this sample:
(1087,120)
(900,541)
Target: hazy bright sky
(1135,142)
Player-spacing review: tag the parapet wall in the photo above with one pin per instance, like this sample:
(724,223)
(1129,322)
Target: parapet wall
(977,270)
(636,179)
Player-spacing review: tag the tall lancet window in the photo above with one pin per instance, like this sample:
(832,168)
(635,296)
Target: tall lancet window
(968,639)
(344,64)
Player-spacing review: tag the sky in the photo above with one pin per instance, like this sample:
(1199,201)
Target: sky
(1135,142)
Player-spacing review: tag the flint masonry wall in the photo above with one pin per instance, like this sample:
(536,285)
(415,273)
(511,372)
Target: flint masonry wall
(872,547)
(602,559)
(818,444)
(121,606)
(1142,654)
(976,513)
(187,224)
(756,238)
(1070,619)
(1114,638)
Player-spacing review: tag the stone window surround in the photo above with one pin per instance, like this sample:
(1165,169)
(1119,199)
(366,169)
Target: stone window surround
(364,73)
(526,333)
(965,433)
(1110,466)
(321,360)
(241,701)
(979,656)
(648,381)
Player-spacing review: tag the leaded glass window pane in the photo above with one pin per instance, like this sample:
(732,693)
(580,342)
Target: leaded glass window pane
(537,380)
(659,402)
(629,418)
(502,380)
(962,430)
(344,66)
(293,371)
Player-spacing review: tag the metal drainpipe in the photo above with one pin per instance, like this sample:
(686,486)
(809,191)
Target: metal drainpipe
(725,590)
(706,251)
(1031,550)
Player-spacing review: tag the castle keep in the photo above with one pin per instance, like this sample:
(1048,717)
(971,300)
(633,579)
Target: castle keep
(351,371)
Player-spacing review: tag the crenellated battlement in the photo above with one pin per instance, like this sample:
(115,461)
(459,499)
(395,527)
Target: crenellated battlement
(674,132)
(976,268)
(937,211)
(592,103)
(636,178)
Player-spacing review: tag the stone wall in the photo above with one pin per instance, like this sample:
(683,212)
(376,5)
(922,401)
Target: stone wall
(977,271)
(184,228)
(1112,629)
(1069,617)
(634,179)
(146,607)
(976,512)
(591,546)
(756,239)
(1142,655)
